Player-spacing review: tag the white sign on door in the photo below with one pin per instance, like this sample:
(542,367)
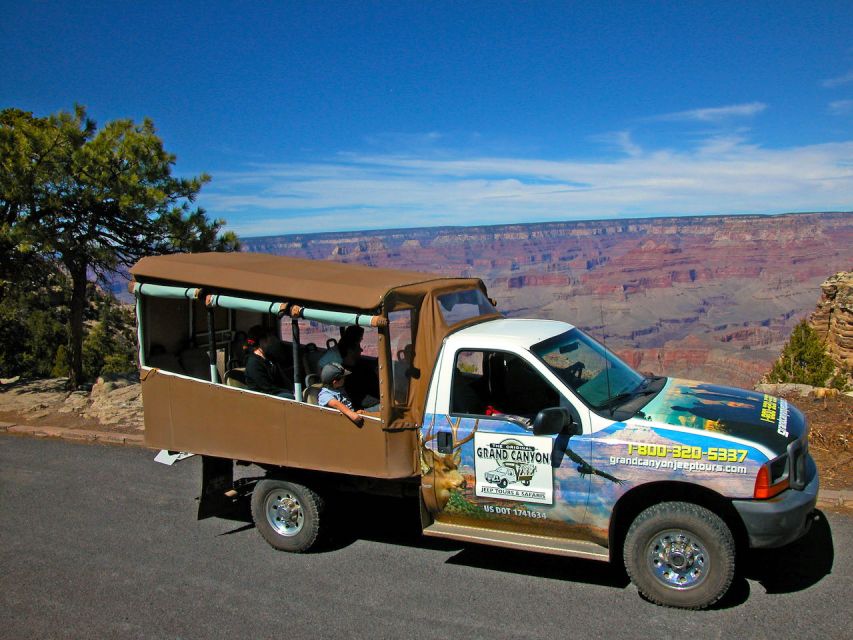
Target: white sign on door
(514,467)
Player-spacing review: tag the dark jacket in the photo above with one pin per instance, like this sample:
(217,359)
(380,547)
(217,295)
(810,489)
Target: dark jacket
(263,375)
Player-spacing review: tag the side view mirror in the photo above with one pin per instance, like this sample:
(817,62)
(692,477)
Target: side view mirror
(555,420)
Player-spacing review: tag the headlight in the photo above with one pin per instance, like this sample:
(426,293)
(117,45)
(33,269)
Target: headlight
(772,478)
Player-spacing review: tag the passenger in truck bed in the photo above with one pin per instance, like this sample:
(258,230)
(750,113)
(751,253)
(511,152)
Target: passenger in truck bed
(363,385)
(333,394)
(350,342)
(281,354)
(262,374)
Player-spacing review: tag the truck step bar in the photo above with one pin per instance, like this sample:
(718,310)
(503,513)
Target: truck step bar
(523,541)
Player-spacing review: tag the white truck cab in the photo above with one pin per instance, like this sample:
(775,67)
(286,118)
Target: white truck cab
(655,470)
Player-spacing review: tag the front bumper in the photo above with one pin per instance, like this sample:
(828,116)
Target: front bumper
(777,521)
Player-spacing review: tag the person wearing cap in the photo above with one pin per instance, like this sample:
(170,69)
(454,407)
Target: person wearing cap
(333,394)
(362,386)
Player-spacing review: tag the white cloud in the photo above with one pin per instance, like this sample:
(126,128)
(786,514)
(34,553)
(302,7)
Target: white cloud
(722,144)
(716,114)
(357,191)
(838,81)
(841,107)
(620,139)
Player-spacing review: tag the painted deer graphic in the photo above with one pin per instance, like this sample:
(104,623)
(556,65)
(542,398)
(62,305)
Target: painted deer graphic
(444,467)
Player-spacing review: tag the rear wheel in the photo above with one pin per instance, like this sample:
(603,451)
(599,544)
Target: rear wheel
(287,514)
(679,554)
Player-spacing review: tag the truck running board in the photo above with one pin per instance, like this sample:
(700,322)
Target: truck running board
(523,541)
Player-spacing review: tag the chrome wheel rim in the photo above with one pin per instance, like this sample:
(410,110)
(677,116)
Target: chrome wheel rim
(284,513)
(678,559)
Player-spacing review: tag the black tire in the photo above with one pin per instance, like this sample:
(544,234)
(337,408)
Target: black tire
(287,514)
(681,555)
(502,483)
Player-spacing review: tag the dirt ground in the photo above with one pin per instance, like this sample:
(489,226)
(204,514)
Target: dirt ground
(115,404)
(830,437)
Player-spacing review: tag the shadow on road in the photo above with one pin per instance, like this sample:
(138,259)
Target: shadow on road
(396,521)
(796,566)
(239,508)
(350,517)
(541,565)
(384,519)
(791,568)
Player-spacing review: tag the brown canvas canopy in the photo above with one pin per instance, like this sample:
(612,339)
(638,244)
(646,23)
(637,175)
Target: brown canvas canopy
(332,285)
(282,278)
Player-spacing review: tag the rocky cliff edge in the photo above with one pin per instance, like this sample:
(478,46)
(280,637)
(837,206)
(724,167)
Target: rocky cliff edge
(833,318)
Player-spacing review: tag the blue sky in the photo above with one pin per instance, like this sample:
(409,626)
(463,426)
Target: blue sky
(324,116)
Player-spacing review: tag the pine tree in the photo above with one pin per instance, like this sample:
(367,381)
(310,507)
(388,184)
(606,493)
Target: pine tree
(95,201)
(803,360)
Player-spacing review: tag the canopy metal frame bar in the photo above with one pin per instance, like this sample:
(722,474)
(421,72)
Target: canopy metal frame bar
(236,303)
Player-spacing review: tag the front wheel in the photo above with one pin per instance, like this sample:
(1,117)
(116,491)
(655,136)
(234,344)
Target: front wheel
(286,514)
(679,554)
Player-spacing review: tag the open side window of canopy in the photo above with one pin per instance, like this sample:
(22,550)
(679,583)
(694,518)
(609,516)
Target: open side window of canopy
(330,293)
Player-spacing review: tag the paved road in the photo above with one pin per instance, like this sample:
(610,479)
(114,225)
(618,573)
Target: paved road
(99,541)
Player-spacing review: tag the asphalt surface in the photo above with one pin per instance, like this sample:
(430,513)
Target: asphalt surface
(100,541)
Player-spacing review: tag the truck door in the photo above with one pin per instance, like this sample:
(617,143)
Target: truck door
(481,458)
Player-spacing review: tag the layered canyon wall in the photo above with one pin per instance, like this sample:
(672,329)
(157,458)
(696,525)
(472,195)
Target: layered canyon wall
(833,318)
(703,297)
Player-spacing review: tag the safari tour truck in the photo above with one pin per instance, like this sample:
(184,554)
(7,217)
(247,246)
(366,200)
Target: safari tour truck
(519,433)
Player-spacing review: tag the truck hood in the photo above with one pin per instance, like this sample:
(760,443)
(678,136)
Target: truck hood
(749,415)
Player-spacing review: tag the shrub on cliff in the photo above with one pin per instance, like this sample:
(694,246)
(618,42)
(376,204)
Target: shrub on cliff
(804,361)
(33,327)
(109,346)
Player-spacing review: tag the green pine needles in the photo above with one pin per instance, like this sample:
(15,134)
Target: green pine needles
(804,361)
(82,203)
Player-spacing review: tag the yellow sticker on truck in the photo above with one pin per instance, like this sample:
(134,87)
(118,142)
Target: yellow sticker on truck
(686,452)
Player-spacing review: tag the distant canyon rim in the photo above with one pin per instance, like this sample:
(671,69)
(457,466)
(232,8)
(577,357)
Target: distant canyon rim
(712,297)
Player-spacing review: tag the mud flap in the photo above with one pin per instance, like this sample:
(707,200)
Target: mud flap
(217,484)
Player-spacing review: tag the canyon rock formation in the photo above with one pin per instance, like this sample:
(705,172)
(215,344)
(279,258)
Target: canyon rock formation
(710,297)
(833,318)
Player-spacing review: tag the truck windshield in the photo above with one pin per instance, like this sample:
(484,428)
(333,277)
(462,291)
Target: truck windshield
(586,366)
